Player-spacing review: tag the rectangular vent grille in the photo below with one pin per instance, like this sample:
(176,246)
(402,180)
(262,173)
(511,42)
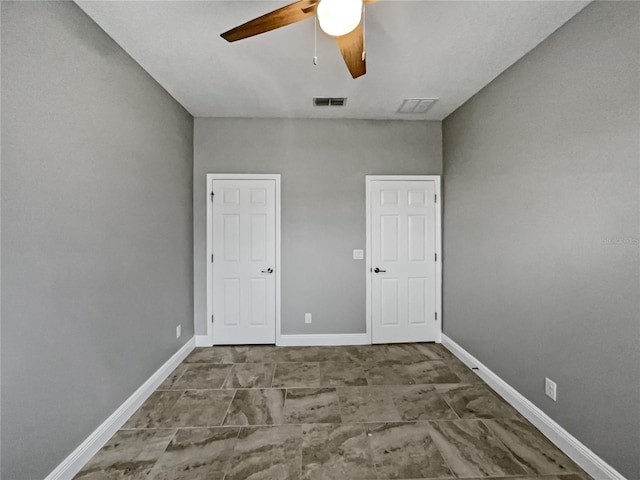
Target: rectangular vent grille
(329,101)
(416,105)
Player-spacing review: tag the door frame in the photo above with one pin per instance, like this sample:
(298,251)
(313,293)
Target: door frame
(438,220)
(210,265)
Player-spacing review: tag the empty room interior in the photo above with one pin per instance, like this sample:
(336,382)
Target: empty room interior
(320,240)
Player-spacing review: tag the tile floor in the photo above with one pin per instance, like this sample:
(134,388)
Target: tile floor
(401,411)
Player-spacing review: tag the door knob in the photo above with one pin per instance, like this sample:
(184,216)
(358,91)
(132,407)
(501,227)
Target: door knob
(268,270)
(377,270)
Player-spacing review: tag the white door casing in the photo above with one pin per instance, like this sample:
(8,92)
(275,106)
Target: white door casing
(243,243)
(403,268)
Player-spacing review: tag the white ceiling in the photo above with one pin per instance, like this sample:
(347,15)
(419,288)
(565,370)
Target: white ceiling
(443,49)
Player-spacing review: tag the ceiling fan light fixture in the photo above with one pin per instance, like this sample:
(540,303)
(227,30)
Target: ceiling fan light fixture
(339,17)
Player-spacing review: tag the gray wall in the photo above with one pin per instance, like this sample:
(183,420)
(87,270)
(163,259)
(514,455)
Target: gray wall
(97,231)
(323,164)
(541,228)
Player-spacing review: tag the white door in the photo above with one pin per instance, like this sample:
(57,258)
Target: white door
(403,261)
(244,261)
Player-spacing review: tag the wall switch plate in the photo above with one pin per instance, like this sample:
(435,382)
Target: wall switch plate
(307,318)
(178,331)
(358,254)
(550,388)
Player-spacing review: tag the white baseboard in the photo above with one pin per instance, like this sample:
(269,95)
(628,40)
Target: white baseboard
(203,341)
(329,339)
(304,340)
(570,445)
(71,465)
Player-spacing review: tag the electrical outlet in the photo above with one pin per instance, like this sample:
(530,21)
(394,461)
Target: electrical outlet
(550,388)
(179,331)
(307,318)
(358,254)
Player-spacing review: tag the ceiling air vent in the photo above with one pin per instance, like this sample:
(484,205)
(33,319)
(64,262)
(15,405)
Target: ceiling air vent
(416,105)
(329,101)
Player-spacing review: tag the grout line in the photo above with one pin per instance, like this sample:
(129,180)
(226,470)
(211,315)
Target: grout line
(226,378)
(234,448)
(372,422)
(284,403)
(301,442)
(180,376)
(273,376)
(228,407)
(232,454)
(509,451)
(370,450)
(429,427)
(328,385)
(374,386)
(448,404)
(175,432)
(191,427)
(533,476)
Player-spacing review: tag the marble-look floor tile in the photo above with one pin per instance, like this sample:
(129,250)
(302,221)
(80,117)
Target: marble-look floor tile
(196,454)
(256,407)
(421,402)
(174,377)
(532,449)
(198,474)
(443,351)
(336,452)
(430,351)
(464,373)
(364,354)
(565,476)
(408,352)
(326,384)
(232,354)
(129,454)
(335,374)
(471,449)
(312,405)
(388,372)
(155,410)
(405,450)
(367,404)
(250,375)
(431,371)
(475,401)
(267,453)
(296,374)
(310,354)
(197,408)
(202,375)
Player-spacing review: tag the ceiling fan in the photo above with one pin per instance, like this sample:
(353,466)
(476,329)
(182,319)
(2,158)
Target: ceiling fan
(341,19)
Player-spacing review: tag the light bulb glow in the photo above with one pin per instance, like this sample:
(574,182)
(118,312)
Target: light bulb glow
(339,17)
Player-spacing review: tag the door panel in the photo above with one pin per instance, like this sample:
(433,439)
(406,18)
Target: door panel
(231,227)
(244,255)
(258,301)
(231,301)
(403,242)
(417,301)
(389,301)
(389,237)
(417,238)
(258,237)
(231,196)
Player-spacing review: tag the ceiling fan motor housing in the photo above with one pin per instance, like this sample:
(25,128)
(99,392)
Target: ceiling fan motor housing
(339,17)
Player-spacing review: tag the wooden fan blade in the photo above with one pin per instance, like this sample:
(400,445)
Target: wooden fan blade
(352,48)
(278,18)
